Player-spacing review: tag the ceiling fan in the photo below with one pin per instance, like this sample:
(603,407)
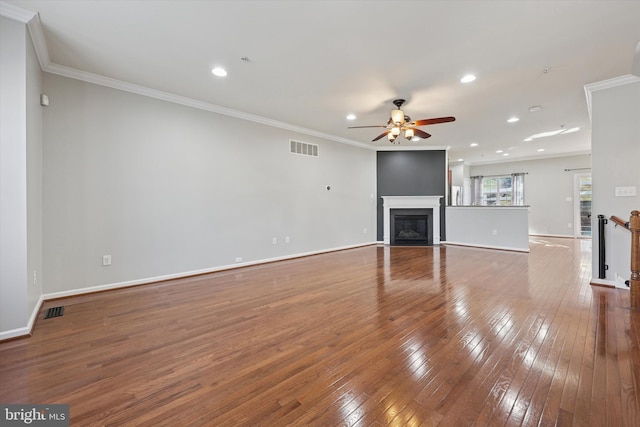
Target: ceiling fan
(398,124)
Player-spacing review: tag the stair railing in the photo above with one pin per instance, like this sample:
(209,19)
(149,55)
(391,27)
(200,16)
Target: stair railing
(634,282)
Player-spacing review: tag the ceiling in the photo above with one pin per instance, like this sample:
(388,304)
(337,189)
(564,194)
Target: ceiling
(310,63)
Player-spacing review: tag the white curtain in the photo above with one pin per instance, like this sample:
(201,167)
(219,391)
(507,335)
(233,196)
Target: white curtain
(476,190)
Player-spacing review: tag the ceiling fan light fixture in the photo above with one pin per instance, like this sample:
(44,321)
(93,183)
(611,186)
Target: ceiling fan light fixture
(391,137)
(408,134)
(395,131)
(397,116)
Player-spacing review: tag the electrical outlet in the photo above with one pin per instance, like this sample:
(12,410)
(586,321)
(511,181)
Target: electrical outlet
(287,240)
(626,191)
(494,233)
(364,231)
(106,260)
(275,241)
(239,259)
(569,225)
(35,277)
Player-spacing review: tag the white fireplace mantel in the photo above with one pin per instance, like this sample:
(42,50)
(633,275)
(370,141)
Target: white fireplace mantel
(411,202)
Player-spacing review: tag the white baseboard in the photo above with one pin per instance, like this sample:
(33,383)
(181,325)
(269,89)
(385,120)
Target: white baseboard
(501,248)
(609,283)
(147,280)
(26,330)
(562,236)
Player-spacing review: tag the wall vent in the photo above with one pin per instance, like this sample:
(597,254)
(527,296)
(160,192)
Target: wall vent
(54,312)
(304,148)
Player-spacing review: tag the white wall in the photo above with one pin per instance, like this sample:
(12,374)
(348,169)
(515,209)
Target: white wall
(546,188)
(13,176)
(167,189)
(615,144)
(496,227)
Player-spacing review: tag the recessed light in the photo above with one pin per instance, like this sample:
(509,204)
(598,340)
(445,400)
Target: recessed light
(505,154)
(468,78)
(351,117)
(498,151)
(540,149)
(461,160)
(415,139)
(535,108)
(473,144)
(512,120)
(528,139)
(219,71)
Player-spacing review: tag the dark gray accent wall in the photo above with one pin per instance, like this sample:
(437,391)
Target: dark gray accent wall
(411,173)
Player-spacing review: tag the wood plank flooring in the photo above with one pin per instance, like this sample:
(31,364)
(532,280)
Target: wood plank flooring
(374,336)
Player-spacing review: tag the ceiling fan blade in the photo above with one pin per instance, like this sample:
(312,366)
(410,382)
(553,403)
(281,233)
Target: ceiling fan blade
(433,121)
(420,133)
(381,136)
(358,127)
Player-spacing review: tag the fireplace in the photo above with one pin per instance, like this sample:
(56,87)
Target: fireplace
(430,204)
(411,227)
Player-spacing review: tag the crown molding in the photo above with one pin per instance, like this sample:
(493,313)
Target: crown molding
(527,158)
(411,148)
(590,88)
(85,76)
(34,25)
(32,19)
(39,41)
(16,13)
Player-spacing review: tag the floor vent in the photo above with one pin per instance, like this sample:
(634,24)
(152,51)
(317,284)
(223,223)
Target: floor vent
(304,148)
(54,312)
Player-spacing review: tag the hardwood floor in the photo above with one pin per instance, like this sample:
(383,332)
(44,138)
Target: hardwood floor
(373,336)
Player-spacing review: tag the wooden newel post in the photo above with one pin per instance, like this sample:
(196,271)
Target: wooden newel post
(634,283)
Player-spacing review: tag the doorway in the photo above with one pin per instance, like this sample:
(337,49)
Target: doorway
(582,197)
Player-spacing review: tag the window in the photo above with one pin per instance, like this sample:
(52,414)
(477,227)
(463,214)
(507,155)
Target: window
(499,190)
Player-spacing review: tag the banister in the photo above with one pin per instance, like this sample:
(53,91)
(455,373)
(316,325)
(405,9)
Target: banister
(634,282)
(619,221)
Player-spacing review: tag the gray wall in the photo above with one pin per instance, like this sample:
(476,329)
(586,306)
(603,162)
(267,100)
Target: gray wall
(34,178)
(167,189)
(13,185)
(615,144)
(547,187)
(20,179)
(411,173)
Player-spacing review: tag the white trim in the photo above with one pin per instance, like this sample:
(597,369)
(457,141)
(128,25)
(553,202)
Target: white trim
(398,147)
(608,283)
(39,42)
(526,158)
(410,202)
(16,13)
(502,248)
(26,330)
(149,280)
(562,236)
(73,73)
(607,84)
